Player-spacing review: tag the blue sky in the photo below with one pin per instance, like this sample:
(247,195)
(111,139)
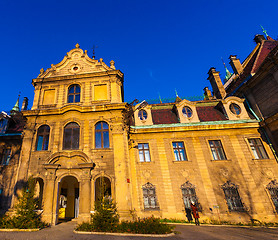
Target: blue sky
(159,45)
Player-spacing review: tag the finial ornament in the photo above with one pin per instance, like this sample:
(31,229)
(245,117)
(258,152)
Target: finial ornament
(176,92)
(94,53)
(264,31)
(228,74)
(77,45)
(42,71)
(112,64)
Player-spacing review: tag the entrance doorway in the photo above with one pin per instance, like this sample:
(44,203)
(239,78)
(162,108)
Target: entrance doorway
(68,201)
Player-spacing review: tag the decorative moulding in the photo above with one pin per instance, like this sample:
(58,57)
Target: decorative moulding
(183,110)
(228,104)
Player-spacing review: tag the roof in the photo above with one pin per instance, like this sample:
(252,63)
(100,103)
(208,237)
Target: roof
(251,64)
(166,113)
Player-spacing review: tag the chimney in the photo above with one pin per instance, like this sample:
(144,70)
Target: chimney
(24,104)
(216,83)
(207,94)
(259,38)
(235,64)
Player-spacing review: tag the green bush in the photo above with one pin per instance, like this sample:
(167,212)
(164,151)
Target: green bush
(25,216)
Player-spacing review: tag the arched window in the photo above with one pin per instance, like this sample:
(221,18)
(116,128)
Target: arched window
(71,136)
(149,197)
(102,188)
(273,191)
(74,94)
(102,135)
(232,197)
(43,138)
(189,195)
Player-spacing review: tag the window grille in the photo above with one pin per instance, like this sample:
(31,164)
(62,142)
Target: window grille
(102,135)
(232,197)
(71,136)
(179,151)
(74,94)
(149,197)
(257,148)
(144,152)
(273,191)
(217,150)
(189,195)
(43,138)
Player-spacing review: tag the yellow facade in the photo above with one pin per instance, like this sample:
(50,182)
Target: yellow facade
(83,93)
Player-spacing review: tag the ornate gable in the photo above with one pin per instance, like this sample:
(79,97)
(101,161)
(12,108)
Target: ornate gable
(76,61)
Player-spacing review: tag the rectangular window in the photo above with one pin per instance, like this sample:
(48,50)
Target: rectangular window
(6,156)
(179,151)
(144,152)
(217,150)
(257,148)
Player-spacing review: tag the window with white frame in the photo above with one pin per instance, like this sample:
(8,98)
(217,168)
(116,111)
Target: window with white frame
(149,197)
(217,150)
(179,151)
(257,148)
(144,152)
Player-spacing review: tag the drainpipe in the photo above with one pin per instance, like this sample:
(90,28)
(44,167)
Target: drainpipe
(263,130)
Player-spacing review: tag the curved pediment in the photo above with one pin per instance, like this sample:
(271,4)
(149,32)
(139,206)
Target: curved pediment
(68,159)
(75,62)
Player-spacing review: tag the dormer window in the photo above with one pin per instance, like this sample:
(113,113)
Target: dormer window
(142,114)
(74,94)
(235,109)
(187,112)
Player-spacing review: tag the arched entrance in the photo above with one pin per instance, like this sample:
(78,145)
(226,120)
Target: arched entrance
(102,188)
(68,200)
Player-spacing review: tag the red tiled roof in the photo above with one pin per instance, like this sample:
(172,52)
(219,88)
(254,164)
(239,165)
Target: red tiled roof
(253,64)
(164,116)
(209,113)
(266,48)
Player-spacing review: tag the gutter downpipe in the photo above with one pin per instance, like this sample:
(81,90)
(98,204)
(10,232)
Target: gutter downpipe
(265,133)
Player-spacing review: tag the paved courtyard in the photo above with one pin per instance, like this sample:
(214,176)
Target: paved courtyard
(64,231)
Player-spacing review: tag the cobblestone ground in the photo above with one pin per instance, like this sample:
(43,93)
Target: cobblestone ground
(64,231)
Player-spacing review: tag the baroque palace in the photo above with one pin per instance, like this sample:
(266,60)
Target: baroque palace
(80,137)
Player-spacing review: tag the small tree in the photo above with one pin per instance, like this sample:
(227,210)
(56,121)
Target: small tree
(26,215)
(106,218)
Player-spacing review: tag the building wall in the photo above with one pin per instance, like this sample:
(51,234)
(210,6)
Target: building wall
(167,175)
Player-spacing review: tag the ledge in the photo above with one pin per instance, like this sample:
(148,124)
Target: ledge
(18,230)
(126,234)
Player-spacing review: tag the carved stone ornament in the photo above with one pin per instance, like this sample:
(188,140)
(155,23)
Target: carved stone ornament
(112,64)
(187,184)
(147,174)
(148,185)
(272,184)
(224,172)
(185,173)
(77,45)
(229,184)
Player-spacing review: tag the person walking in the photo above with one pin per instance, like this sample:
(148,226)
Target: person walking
(195,213)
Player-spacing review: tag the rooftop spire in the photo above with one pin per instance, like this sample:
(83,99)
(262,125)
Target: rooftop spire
(264,31)
(228,74)
(94,54)
(16,106)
